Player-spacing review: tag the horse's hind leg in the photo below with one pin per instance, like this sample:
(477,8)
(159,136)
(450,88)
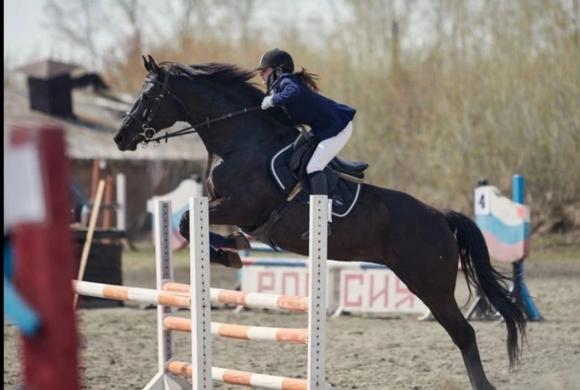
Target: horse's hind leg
(450,317)
(425,258)
(435,286)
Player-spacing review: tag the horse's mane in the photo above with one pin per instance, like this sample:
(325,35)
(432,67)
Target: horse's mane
(226,74)
(214,71)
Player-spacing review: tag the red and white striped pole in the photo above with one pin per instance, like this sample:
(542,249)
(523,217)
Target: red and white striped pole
(38,208)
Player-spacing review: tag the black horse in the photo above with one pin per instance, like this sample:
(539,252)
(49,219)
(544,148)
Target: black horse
(419,243)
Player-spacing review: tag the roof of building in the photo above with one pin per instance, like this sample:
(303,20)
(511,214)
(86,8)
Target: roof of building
(90,135)
(47,69)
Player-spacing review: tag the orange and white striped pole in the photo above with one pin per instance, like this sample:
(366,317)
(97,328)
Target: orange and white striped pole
(136,294)
(243,332)
(249,300)
(242,378)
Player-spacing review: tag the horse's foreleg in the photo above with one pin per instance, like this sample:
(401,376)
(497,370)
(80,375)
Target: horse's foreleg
(217,216)
(226,257)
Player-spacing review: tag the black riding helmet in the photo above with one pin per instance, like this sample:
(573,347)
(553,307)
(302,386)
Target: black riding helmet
(277,58)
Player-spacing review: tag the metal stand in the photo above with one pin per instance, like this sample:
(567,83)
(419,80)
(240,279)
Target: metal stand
(482,310)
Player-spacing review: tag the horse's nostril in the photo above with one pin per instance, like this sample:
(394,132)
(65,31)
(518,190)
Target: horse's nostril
(118,138)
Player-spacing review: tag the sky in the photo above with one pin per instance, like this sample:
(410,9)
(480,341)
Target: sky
(27,39)
(23,35)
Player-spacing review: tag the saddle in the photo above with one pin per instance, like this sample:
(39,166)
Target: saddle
(344,178)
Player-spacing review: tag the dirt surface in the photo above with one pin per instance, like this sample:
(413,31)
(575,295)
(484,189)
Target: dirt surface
(401,352)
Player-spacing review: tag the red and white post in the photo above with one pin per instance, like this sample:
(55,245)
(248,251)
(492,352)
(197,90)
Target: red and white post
(37,213)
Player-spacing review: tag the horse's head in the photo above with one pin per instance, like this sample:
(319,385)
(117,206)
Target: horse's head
(155,108)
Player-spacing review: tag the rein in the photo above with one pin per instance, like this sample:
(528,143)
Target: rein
(149,133)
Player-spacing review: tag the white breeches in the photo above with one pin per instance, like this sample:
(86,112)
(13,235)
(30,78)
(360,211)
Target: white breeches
(328,149)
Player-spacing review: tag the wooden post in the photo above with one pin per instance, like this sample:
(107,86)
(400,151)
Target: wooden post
(90,232)
(95,179)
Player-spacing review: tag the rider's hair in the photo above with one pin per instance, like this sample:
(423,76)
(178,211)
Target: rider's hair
(308,78)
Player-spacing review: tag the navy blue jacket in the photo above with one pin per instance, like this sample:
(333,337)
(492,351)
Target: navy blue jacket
(325,116)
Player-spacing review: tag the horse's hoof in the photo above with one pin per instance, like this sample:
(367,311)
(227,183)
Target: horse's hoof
(233,260)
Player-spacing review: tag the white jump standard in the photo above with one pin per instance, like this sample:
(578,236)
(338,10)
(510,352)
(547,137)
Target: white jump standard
(201,295)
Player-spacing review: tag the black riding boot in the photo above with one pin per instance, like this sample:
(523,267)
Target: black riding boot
(318,186)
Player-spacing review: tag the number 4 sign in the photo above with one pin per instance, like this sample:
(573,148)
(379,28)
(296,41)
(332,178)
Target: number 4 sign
(482,200)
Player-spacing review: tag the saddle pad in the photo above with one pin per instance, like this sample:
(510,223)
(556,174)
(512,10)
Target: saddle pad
(344,195)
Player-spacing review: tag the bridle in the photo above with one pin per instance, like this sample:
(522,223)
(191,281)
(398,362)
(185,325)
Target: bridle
(149,132)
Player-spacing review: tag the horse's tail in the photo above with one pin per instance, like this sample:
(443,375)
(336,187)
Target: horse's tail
(479,273)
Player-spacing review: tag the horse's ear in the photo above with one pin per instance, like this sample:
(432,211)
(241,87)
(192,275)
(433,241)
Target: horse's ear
(146,64)
(153,65)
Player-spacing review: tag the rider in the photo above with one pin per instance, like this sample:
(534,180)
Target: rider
(329,121)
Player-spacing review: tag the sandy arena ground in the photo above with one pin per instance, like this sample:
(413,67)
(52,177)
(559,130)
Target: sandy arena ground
(363,353)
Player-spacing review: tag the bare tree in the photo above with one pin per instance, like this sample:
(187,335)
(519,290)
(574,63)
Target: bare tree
(77,22)
(183,17)
(192,17)
(130,9)
(242,12)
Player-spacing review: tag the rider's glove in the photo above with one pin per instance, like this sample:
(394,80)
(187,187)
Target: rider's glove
(267,103)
